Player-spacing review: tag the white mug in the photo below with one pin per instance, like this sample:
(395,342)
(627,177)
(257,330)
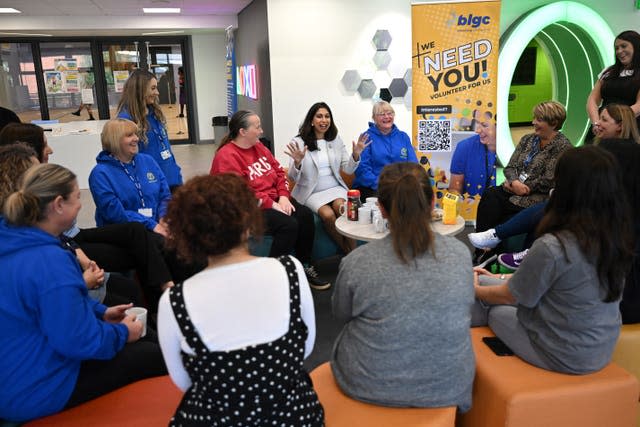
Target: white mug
(364,215)
(372,200)
(141,316)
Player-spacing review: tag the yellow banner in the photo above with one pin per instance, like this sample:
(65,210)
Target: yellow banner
(454,91)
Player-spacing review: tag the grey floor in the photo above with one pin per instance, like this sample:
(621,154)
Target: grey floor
(196,160)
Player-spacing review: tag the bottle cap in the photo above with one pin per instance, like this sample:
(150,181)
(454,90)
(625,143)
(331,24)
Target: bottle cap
(353,193)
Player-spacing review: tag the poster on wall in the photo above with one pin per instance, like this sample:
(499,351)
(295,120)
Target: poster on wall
(53,82)
(454,92)
(65,64)
(71,82)
(119,79)
(230,67)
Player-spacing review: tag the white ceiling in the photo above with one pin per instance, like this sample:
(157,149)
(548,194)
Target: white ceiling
(117,17)
(122,7)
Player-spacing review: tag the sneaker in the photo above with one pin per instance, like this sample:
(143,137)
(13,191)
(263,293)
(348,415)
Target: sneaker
(314,281)
(513,260)
(485,259)
(484,239)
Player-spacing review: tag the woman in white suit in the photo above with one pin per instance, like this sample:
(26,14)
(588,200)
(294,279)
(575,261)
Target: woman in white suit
(317,155)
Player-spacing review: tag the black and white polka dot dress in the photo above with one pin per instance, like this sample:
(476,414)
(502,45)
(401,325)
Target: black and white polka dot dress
(260,385)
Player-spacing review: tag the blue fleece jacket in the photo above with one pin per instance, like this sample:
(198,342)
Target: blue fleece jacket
(383,150)
(49,324)
(157,143)
(115,194)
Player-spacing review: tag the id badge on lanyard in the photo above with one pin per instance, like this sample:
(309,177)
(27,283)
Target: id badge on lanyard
(147,212)
(165,154)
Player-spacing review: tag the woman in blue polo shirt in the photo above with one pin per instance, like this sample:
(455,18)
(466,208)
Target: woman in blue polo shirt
(139,104)
(127,186)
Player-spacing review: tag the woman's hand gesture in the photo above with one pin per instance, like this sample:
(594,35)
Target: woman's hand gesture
(358,147)
(296,153)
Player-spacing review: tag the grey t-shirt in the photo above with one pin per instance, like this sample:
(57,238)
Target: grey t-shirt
(406,339)
(560,304)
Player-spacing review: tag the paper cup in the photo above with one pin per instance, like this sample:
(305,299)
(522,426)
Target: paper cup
(372,200)
(364,215)
(141,316)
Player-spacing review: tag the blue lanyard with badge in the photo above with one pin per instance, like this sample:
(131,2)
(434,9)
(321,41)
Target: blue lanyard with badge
(535,149)
(144,211)
(161,134)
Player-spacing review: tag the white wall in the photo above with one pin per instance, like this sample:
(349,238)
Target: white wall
(313,42)
(210,79)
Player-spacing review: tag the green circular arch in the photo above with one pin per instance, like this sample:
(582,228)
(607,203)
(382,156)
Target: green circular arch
(578,42)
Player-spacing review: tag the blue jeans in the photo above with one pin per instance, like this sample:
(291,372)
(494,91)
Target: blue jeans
(524,222)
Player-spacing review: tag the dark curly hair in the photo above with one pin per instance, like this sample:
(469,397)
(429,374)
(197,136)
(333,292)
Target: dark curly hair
(210,215)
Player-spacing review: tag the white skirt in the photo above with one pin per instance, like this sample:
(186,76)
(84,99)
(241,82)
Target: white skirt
(321,198)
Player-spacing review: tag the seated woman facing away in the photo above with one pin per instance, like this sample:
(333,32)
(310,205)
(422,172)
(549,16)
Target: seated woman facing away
(406,302)
(317,156)
(560,308)
(235,335)
(58,348)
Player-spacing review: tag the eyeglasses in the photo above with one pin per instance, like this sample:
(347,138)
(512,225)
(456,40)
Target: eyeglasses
(386,114)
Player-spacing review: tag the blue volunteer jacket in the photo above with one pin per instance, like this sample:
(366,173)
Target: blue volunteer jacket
(115,194)
(383,150)
(157,142)
(49,324)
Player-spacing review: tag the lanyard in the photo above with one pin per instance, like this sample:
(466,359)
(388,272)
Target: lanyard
(133,179)
(534,152)
(158,129)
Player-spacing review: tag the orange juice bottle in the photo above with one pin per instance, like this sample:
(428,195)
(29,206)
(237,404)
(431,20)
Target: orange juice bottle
(450,208)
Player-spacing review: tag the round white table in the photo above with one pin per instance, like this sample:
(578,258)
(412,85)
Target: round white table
(366,232)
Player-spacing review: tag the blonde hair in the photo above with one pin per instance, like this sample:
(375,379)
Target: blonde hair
(112,133)
(39,185)
(623,115)
(551,112)
(380,107)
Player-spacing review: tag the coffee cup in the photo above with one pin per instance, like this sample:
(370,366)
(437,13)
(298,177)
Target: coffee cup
(140,314)
(371,200)
(364,215)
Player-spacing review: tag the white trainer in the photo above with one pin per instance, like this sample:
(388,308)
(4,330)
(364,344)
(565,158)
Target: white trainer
(484,239)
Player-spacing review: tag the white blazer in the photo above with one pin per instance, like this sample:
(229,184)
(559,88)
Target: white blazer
(306,177)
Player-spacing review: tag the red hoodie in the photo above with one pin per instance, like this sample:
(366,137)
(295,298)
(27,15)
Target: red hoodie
(257,165)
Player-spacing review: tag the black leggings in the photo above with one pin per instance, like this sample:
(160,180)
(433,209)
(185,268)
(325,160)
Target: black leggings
(135,362)
(291,231)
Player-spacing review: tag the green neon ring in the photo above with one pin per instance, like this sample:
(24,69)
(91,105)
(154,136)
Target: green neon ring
(520,36)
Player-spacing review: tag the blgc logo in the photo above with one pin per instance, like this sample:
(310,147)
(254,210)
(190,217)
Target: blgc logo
(474,21)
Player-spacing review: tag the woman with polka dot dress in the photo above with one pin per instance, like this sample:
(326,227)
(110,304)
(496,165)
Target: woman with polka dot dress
(235,335)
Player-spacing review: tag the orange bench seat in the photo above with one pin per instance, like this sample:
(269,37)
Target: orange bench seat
(510,392)
(151,402)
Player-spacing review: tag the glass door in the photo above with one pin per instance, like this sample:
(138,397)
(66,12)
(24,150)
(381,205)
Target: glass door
(164,60)
(18,82)
(69,80)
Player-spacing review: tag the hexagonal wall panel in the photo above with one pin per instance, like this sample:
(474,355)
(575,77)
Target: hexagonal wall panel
(408,76)
(381,40)
(385,94)
(398,88)
(382,58)
(367,88)
(407,100)
(351,80)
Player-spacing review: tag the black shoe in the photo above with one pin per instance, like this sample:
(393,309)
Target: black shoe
(91,118)
(76,113)
(180,115)
(314,281)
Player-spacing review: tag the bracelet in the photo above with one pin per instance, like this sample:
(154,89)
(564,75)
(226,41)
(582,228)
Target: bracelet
(503,276)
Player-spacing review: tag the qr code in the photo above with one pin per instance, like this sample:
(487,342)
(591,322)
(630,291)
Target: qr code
(434,135)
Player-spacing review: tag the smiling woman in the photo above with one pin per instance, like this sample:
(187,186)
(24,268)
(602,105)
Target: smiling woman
(388,145)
